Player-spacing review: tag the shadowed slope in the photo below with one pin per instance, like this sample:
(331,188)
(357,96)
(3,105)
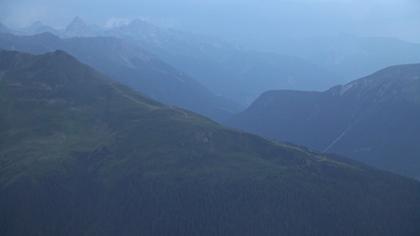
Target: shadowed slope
(374,119)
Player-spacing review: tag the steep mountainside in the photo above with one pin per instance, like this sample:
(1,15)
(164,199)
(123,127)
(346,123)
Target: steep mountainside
(131,65)
(374,119)
(82,155)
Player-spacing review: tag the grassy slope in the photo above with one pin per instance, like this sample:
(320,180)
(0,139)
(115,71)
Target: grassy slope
(81,155)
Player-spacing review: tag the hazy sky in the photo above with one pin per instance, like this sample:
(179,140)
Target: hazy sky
(235,19)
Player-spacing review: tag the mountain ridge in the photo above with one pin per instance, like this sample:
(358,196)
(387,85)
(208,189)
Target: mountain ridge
(133,66)
(225,68)
(81,154)
(372,119)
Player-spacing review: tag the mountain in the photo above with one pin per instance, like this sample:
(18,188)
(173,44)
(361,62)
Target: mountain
(79,28)
(374,119)
(37,28)
(242,75)
(226,69)
(130,64)
(229,71)
(83,155)
(350,56)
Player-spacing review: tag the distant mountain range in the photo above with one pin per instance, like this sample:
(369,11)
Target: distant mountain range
(242,75)
(375,119)
(227,70)
(83,155)
(132,65)
(352,57)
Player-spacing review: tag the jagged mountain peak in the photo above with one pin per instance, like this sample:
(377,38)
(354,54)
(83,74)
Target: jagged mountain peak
(77,21)
(76,24)
(79,28)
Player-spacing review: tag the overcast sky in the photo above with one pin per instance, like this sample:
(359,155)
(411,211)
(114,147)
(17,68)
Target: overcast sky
(235,19)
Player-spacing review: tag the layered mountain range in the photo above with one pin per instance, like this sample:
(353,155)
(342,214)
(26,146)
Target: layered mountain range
(225,69)
(130,64)
(242,75)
